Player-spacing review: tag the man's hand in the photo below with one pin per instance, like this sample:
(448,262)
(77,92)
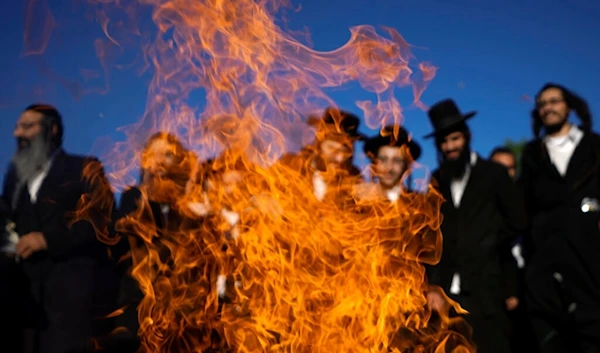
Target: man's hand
(436,301)
(512,303)
(31,243)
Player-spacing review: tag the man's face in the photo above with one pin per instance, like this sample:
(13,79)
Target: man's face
(390,166)
(452,145)
(552,108)
(335,153)
(507,160)
(231,179)
(33,146)
(159,158)
(28,127)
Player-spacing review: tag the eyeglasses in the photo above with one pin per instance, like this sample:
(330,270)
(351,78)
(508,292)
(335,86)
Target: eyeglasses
(27,125)
(551,101)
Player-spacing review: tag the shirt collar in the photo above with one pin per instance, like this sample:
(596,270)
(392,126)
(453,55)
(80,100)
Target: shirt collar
(574,135)
(393,194)
(473,159)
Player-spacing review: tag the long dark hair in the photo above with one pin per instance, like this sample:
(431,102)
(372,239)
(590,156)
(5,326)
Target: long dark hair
(573,101)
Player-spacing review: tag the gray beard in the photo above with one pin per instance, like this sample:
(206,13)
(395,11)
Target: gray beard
(29,160)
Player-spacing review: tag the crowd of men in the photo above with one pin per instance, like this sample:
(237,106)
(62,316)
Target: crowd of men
(520,250)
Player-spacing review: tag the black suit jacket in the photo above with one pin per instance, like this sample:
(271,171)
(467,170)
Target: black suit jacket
(476,234)
(562,237)
(64,191)
(68,288)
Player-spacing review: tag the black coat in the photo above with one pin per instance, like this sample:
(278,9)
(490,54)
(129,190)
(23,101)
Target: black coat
(164,234)
(475,244)
(69,285)
(562,238)
(477,233)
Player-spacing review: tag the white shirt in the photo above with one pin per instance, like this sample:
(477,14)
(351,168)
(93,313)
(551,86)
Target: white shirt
(518,255)
(393,194)
(319,186)
(232,218)
(165,209)
(561,148)
(34,184)
(457,188)
(11,240)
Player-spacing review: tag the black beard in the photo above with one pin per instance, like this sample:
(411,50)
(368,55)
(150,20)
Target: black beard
(554,128)
(456,168)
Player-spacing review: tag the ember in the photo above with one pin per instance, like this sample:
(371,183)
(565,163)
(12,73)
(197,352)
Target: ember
(300,274)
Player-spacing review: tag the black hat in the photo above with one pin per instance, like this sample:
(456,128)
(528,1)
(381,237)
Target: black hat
(344,122)
(445,115)
(372,145)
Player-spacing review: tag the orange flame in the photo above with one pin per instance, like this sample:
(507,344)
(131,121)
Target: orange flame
(345,274)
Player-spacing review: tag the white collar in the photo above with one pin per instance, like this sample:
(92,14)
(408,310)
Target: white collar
(573,136)
(393,194)
(473,159)
(465,177)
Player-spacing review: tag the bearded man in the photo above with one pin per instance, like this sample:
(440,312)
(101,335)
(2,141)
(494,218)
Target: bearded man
(560,180)
(482,215)
(61,256)
(327,163)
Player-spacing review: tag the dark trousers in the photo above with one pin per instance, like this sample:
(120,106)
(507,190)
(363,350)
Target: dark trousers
(564,316)
(126,339)
(12,287)
(560,337)
(61,311)
(490,330)
(522,336)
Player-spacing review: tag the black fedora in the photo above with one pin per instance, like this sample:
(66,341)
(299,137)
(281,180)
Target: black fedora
(373,144)
(342,121)
(445,115)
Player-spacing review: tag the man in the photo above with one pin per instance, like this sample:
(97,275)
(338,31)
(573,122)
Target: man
(60,254)
(522,336)
(505,157)
(154,225)
(481,216)
(327,163)
(560,180)
(391,156)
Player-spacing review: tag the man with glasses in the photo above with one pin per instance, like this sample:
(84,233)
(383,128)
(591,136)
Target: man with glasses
(61,257)
(560,181)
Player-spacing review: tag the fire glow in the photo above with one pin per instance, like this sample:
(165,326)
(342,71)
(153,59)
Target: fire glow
(313,276)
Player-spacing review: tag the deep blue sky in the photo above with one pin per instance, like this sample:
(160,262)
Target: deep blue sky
(489,54)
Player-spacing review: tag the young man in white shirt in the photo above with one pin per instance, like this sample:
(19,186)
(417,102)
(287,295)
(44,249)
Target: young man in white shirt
(560,181)
(391,154)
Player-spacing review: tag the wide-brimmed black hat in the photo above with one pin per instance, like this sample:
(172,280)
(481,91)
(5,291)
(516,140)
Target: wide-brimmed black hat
(341,121)
(386,138)
(444,115)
